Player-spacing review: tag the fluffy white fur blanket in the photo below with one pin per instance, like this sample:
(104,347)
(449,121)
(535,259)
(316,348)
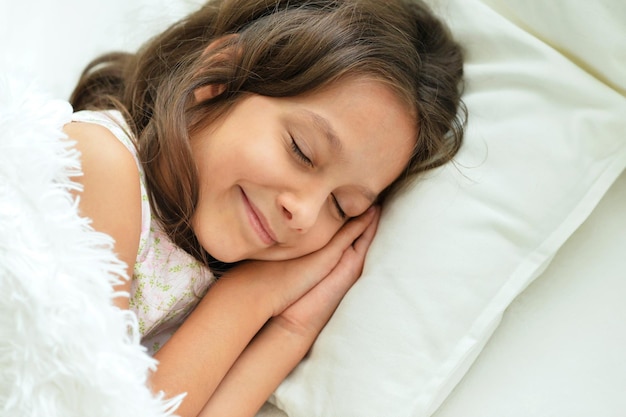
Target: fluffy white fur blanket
(64,349)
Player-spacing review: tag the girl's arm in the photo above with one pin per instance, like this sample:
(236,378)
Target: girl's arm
(286,338)
(206,352)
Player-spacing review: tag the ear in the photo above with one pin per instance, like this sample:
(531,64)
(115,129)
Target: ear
(227,54)
(208,92)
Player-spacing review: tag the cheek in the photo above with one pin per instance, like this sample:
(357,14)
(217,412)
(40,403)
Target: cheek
(318,237)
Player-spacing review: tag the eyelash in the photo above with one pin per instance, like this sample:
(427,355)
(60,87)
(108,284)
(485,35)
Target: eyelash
(299,154)
(342,214)
(307,161)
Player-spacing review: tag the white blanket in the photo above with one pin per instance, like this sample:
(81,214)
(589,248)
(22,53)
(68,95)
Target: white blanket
(65,350)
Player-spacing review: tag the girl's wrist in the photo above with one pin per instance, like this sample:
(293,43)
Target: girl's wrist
(306,333)
(294,337)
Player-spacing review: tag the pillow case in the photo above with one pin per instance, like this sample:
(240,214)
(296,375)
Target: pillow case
(559,350)
(544,142)
(590,34)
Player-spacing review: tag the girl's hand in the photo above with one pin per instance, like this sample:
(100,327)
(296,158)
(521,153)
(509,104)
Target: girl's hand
(281,283)
(309,314)
(308,291)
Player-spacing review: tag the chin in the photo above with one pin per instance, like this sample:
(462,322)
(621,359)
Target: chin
(222,254)
(227,258)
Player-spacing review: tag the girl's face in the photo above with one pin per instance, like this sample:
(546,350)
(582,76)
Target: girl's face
(279,176)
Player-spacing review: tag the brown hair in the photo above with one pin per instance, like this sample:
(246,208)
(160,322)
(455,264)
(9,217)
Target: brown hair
(284,48)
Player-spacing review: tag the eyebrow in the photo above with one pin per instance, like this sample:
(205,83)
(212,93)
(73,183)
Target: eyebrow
(322,124)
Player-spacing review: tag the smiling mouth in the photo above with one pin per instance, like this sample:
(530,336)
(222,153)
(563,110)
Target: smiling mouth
(257,221)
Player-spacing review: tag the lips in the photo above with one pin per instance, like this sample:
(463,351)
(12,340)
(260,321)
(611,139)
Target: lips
(258,222)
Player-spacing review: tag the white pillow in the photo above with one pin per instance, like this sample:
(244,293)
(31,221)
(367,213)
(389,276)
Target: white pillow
(592,34)
(545,141)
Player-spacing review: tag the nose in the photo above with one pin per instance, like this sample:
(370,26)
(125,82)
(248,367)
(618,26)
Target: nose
(301,210)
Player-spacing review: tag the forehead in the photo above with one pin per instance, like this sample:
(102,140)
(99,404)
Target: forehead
(370,128)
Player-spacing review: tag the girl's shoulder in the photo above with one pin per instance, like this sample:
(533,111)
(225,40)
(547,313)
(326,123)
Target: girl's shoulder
(110,195)
(105,157)
(110,124)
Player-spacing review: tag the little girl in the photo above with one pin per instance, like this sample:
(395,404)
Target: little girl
(252,141)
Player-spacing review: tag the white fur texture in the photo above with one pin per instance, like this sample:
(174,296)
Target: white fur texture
(64,349)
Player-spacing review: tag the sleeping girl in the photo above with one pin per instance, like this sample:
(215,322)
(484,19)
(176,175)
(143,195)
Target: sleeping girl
(239,160)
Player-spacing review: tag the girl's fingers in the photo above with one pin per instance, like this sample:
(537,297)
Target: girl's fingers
(312,311)
(327,258)
(363,242)
(296,277)
(351,231)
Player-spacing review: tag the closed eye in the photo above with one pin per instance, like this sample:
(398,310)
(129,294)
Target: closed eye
(307,161)
(299,154)
(342,214)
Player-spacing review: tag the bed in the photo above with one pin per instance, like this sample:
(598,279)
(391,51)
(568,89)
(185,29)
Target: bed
(495,286)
